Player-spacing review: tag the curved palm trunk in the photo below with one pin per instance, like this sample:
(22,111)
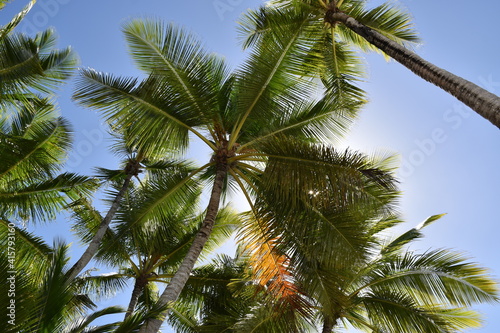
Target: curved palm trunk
(180,278)
(139,285)
(131,170)
(94,244)
(478,99)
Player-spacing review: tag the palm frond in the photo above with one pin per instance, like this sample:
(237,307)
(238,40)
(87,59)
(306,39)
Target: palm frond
(409,236)
(271,268)
(178,58)
(332,61)
(183,319)
(100,287)
(388,19)
(308,189)
(226,223)
(83,324)
(323,120)
(35,141)
(393,312)
(132,323)
(269,82)
(30,63)
(41,200)
(163,127)
(6,29)
(27,251)
(436,277)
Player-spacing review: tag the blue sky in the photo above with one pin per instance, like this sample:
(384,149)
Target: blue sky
(449,155)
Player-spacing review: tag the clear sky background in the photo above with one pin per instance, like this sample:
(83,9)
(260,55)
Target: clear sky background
(450,156)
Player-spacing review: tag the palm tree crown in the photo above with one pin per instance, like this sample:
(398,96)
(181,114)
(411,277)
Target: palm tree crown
(395,289)
(259,120)
(384,28)
(34,140)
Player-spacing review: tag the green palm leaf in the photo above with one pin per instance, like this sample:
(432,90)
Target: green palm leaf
(177,57)
(119,97)
(32,63)
(6,29)
(40,200)
(439,277)
(409,236)
(393,312)
(34,141)
(388,19)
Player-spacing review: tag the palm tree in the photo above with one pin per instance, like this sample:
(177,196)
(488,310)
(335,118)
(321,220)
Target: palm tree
(33,146)
(395,290)
(149,251)
(34,142)
(398,290)
(260,120)
(33,139)
(163,174)
(30,65)
(131,168)
(384,28)
(40,298)
(222,296)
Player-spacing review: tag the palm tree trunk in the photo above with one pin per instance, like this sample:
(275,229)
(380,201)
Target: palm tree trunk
(478,99)
(180,278)
(139,285)
(328,325)
(131,170)
(94,244)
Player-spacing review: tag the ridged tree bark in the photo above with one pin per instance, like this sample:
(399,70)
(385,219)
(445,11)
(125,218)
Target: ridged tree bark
(478,99)
(328,325)
(131,170)
(180,278)
(139,285)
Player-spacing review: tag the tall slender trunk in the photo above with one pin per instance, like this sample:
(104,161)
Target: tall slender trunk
(478,99)
(180,278)
(131,170)
(328,325)
(139,285)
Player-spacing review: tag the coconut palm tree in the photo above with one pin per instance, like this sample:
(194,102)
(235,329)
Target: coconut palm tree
(149,251)
(258,121)
(39,297)
(221,296)
(334,233)
(385,28)
(131,168)
(33,139)
(162,174)
(396,290)
(267,296)
(30,65)
(33,144)
(29,186)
